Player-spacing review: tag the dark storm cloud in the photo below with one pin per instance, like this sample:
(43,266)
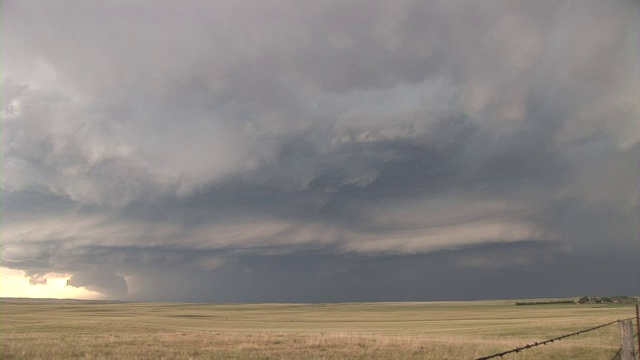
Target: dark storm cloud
(101,280)
(347,148)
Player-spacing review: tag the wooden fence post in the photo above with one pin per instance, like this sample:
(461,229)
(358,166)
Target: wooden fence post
(638,327)
(626,330)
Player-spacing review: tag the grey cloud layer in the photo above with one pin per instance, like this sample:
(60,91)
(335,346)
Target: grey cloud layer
(244,131)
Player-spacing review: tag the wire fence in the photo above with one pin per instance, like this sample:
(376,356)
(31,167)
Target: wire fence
(545,342)
(618,354)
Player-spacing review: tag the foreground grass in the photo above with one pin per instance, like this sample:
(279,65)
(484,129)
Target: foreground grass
(440,330)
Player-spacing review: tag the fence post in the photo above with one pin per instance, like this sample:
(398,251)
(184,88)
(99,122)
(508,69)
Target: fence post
(638,327)
(626,330)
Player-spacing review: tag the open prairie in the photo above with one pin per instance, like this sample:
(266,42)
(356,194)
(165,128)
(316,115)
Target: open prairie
(57,329)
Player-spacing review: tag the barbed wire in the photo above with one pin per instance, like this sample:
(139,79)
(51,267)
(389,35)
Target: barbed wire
(616,356)
(545,342)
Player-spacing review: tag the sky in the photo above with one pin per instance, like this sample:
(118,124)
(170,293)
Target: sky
(319,151)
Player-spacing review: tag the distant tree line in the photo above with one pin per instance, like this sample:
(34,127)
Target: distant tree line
(586,300)
(608,300)
(551,302)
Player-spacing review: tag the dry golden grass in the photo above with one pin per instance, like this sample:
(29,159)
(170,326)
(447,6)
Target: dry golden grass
(440,330)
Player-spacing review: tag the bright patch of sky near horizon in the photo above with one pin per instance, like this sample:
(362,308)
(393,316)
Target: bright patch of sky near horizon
(15,283)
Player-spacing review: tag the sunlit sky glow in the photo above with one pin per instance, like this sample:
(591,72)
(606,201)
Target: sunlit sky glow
(14,283)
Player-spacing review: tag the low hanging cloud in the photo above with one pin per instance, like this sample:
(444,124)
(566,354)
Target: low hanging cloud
(214,146)
(100,280)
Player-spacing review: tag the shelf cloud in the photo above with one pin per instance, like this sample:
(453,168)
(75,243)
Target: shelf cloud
(322,151)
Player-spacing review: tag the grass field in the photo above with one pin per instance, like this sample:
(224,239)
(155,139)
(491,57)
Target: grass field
(41,329)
